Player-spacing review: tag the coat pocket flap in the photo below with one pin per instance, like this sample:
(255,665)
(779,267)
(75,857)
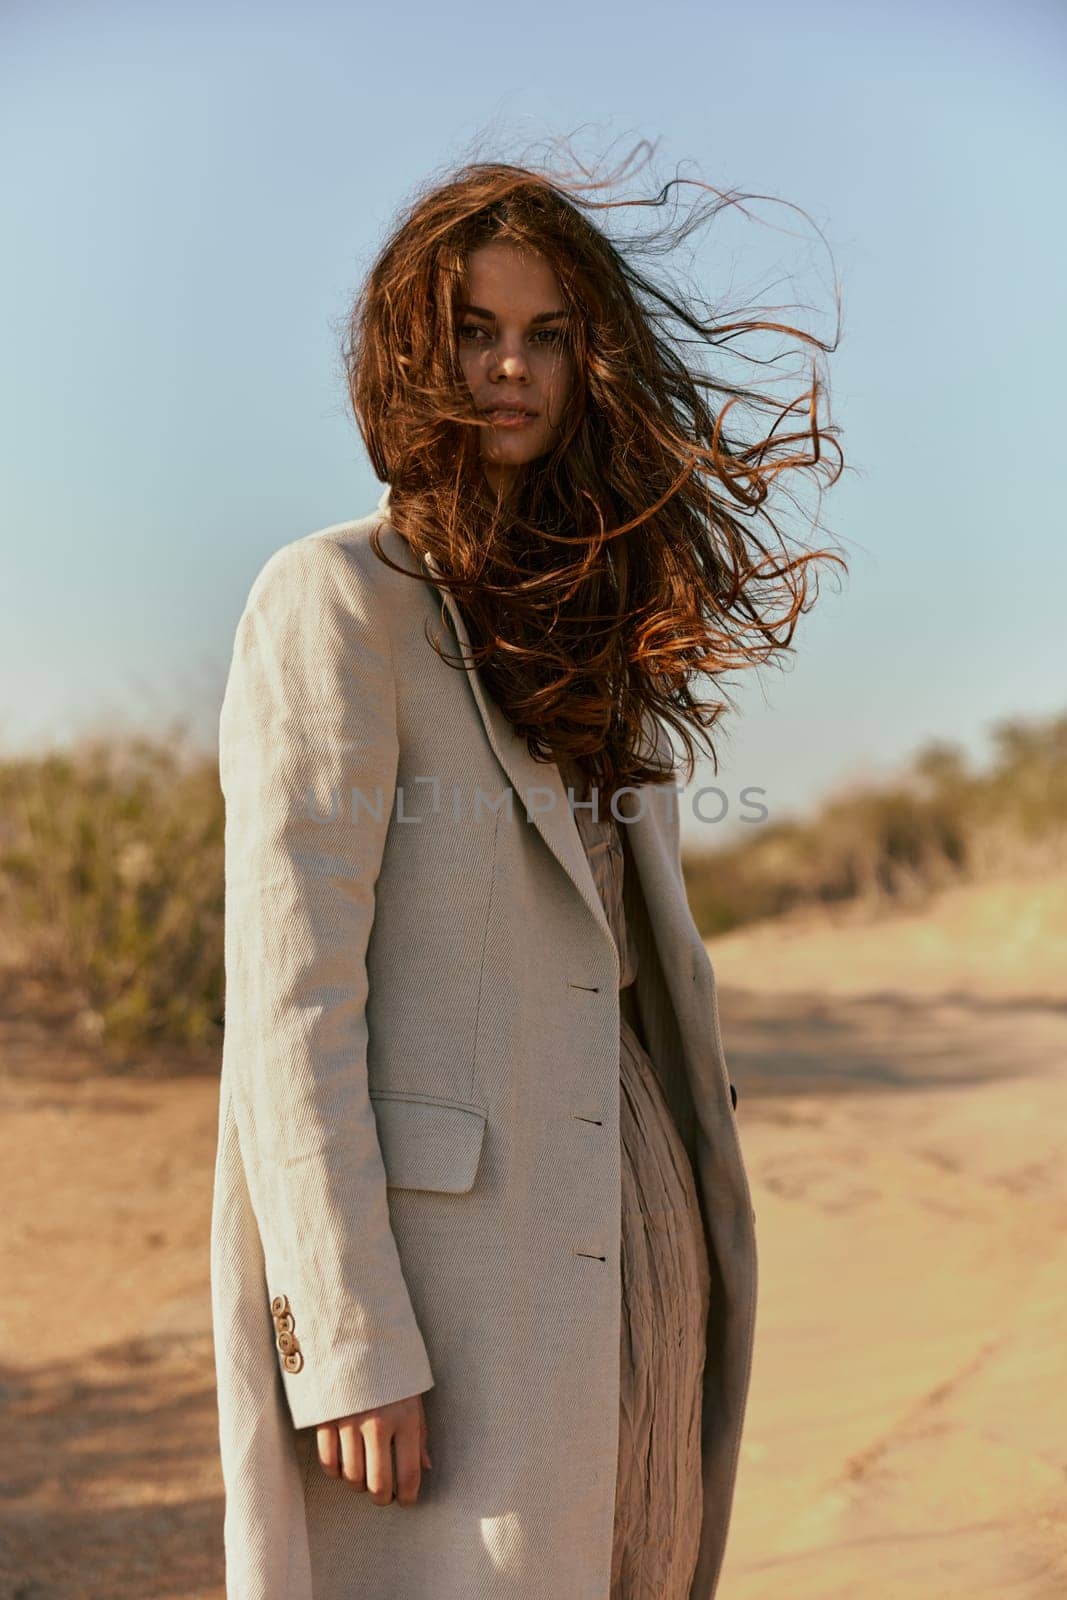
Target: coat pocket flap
(428,1144)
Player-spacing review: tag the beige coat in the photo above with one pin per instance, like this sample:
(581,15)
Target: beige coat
(418,1172)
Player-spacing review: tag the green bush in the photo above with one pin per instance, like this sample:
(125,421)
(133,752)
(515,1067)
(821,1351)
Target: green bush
(112,873)
(882,842)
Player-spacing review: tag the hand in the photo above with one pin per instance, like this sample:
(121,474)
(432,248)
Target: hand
(359,1449)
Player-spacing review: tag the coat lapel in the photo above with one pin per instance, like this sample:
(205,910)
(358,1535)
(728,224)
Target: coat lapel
(538,786)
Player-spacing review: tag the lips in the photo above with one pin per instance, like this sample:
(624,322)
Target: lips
(508,411)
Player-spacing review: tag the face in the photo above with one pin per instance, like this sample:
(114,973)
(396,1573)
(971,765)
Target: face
(514,352)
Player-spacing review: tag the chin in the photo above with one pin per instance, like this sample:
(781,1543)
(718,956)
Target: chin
(516,453)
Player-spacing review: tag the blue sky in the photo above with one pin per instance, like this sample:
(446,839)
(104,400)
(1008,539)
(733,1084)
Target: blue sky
(192,195)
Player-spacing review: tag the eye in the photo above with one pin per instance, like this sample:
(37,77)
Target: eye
(472,330)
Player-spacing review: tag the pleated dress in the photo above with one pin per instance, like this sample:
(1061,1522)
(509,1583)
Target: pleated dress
(665,1285)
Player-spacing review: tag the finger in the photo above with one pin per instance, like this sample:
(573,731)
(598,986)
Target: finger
(407,1446)
(328,1449)
(377,1447)
(353,1462)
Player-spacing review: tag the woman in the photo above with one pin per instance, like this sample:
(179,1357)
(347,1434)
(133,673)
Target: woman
(483,1253)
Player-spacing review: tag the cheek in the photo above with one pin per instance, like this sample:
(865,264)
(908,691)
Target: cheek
(558,384)
(471,364)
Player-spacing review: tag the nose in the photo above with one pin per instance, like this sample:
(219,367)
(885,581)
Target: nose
(508,364)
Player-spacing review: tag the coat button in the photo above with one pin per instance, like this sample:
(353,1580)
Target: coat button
(293,1362)
(279,1305)
(284,1323)
(287,1342)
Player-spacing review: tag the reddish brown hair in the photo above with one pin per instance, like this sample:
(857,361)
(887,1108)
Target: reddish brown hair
(631,557)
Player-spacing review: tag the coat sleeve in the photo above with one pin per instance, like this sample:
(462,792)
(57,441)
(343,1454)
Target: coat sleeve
(308,756)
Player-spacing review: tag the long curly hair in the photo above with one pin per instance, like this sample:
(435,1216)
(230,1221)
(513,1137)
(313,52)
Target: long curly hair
(641,551)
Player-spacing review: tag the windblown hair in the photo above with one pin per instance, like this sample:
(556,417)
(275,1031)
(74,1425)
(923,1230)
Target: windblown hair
(629,558)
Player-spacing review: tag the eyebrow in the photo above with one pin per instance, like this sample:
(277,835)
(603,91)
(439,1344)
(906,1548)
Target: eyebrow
(480,311)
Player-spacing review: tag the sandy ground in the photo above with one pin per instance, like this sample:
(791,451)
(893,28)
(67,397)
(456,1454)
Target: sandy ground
(903,1110)
(904,1119)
